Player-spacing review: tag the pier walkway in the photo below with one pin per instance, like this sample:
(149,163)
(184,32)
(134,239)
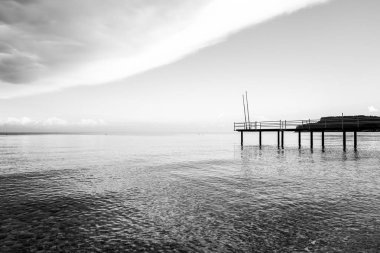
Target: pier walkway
(342,124)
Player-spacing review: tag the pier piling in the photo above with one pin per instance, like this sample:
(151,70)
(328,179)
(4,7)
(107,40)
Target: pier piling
(278,139)
(282,139)
(260,139)
(311,140)
(241,138)
(323,139)
(299,139)
(344,140)
(355,141)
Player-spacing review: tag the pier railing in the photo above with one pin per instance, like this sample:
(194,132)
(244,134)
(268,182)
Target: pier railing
(278,124)
(335,123)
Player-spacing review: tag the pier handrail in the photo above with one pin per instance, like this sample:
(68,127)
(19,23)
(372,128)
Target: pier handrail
(310,124)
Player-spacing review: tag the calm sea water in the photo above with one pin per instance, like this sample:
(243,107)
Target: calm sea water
(187,193)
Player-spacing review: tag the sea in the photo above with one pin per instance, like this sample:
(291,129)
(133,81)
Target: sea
(188,193)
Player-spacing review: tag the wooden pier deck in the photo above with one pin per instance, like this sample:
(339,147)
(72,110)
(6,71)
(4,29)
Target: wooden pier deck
(342,124)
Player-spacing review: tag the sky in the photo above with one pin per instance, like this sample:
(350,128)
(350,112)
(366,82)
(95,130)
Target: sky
(172,66)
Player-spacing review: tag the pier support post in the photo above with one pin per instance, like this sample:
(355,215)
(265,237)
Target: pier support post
(282,139)
(241,138)
(323,140)
(344,141)
(311,140)
(260,139)
(278,139)
(355,141)
(299,139)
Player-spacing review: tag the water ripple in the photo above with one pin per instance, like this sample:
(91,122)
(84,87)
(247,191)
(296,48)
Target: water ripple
(64,195)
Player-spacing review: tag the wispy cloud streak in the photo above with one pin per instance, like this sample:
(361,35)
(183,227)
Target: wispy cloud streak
(47,45)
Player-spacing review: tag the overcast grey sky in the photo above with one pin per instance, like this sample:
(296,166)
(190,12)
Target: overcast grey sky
(185,63)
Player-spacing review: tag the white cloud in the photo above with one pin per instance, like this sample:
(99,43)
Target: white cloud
(19,121)
(371,108)
(47,45)
(50,122)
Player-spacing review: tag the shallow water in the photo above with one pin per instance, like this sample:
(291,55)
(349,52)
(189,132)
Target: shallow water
(187,193)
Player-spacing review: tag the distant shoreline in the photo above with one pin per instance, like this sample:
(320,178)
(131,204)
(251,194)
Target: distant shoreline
(111,133)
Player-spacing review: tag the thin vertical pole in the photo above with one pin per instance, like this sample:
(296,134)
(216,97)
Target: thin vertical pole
(278,139)
(282,139)
(246,99)
(241,138)
(344,140)
(311,140)
(355,141)
(245,115)
(323,140)
(260,139)
(299,139)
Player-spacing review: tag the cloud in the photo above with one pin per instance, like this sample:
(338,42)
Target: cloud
(17,67)
(48,45)
(51,122)
(371,108)
(18,121)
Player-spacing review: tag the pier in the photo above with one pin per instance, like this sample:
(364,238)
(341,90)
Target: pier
(339,124)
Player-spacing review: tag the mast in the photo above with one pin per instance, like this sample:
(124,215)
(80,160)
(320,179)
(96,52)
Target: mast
(246,99)
(245,115)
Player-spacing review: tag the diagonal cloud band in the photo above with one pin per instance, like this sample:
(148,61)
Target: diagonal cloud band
(47,45)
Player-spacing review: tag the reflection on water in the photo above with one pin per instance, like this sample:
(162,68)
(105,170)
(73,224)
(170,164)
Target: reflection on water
(186,193)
